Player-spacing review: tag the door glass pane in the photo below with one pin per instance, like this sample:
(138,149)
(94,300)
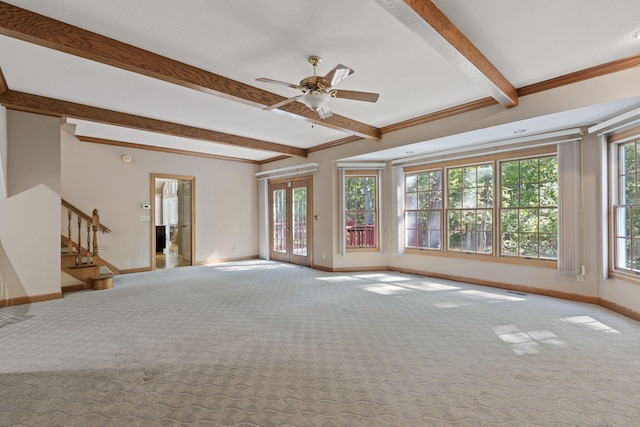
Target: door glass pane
(280,220)
(299,226)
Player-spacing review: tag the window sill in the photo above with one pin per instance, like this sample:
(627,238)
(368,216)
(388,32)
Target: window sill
(358,249)
(486,258)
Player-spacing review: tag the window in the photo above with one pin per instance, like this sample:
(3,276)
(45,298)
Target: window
(626,210)
(361,209)
(497,206)
(423,214)
(529,208)
(470,208)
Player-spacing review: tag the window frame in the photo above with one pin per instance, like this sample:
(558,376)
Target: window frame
(520,207)
(418,211)
(464,210)
(364,173)
(616,141)
(495,159)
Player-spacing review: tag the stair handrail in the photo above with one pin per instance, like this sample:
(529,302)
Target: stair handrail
(87,217)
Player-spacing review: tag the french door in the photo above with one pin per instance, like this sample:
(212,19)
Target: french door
(290,221)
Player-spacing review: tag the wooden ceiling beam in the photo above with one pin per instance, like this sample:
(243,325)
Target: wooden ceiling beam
(156,148)
(581,75)
(3,83)
(44,31)
(428,22)
(55,107)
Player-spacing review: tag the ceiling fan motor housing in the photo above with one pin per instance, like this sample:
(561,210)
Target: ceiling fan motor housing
(313,84)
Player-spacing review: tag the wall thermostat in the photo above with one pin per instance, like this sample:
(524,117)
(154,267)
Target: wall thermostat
(146,206)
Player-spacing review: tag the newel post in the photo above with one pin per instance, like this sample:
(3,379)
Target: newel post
(95,222)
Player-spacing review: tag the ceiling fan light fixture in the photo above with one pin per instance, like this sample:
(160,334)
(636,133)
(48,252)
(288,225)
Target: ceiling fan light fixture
(317,91)
(315,101)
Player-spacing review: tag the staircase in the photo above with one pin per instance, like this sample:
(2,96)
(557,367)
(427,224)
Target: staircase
(82,260)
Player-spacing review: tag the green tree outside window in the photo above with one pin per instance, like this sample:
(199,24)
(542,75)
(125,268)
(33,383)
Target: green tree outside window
(360,211)
(529,208)
(470,208)
(423,210)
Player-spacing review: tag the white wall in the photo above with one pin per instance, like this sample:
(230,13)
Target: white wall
(94,176)
(623,293)
(30,215)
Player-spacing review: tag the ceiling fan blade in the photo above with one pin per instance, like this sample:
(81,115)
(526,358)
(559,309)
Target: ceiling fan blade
(281,103)
(324,112)
(278,82)
(339,73)
(356,95)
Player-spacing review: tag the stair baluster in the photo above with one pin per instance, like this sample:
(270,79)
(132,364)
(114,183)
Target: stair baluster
(89,260)
(79,254)
(95,221)
(70,241)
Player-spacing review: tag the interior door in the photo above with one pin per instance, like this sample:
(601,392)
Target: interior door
(185,242)
(289,221)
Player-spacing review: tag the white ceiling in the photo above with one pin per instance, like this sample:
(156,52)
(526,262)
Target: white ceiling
(528,41)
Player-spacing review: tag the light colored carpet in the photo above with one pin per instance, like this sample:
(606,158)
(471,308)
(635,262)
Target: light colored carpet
(260,343)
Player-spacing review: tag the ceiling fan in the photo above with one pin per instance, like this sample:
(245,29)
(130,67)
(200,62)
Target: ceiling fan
(317,91)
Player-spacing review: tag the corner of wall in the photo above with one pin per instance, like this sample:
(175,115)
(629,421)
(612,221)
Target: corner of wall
(30,225)
(3,152)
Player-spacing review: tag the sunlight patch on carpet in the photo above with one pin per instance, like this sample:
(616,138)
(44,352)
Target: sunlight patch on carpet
(524,342)
(589,322)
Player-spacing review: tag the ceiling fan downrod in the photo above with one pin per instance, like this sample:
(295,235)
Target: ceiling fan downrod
(313,84)
(314,61)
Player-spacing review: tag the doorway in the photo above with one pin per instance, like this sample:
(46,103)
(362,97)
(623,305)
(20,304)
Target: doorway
(289,220)
(173,222)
